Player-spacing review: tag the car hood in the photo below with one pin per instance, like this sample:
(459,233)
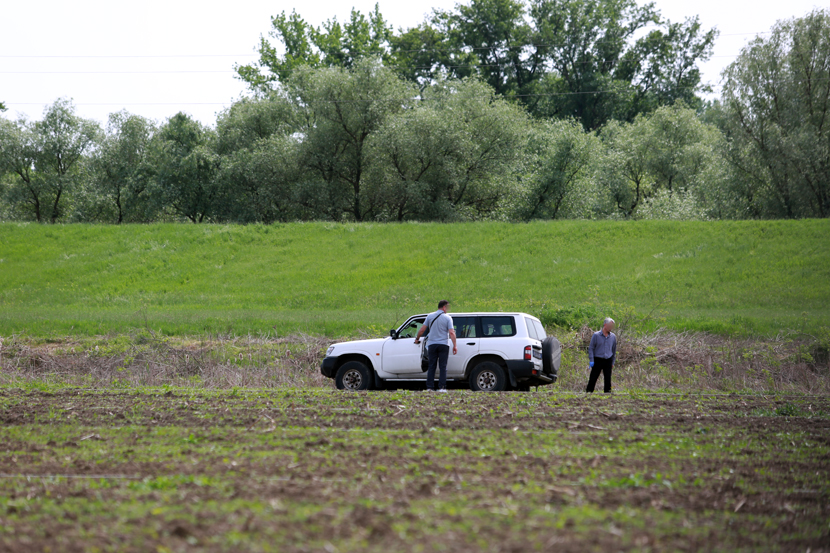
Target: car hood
(361,344)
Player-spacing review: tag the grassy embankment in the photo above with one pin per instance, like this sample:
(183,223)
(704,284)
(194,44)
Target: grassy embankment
(737,278)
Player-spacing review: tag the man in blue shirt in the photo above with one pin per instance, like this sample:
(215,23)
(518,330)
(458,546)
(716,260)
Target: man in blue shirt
(441,331)
(602,352)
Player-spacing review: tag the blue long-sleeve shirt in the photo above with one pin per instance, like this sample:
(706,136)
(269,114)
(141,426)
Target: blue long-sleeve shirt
(603,347)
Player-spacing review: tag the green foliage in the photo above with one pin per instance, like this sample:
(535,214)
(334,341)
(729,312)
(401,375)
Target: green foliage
(572,317)
(121,170)
(723,277)
(331,45)
(558,58)
(664,165)
(260,160)
(185,164)
(341,110)
(46,158)
(454,155)
(558,184)
(775,114)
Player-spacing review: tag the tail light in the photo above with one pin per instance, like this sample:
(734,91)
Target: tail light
(528,353)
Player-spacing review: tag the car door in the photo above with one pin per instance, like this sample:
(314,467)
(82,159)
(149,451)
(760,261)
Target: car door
(467,339)
(403,356)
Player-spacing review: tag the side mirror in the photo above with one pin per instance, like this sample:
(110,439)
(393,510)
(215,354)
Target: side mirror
(394,334)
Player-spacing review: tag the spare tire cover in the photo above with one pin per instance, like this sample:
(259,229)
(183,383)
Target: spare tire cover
(551,355)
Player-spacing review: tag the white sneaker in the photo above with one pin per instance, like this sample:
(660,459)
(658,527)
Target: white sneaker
(443,390)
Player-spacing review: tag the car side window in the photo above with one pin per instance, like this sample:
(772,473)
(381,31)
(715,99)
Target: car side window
(465,327)
(498,326)
(410,330)
(531,328)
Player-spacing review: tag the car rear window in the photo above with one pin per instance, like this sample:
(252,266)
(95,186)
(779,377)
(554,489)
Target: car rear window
(531,328)
(498,326)
(540,330)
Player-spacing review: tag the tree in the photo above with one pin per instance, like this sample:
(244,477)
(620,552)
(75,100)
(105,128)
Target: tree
(776,104)
(185,168)
(45,157)
(260,160)
(331,45)
(340,109)
(452,155)
(3,107)
(599,72)
(558,58)
(670,151)
(121,168)
(562,154)
(500,39)
(17,156)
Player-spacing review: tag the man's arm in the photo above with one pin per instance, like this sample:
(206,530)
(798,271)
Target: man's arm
(420,332)
(614,351)
(591,347)
(454,345)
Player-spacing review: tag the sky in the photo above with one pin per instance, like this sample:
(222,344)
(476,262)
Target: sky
(178,55)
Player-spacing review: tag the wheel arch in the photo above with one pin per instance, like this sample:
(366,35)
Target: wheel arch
(498,360)
(363,358)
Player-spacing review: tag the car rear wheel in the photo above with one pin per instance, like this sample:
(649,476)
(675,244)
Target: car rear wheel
(353,376)
(487,377)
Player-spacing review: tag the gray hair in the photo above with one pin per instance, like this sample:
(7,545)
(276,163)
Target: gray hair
(608,320)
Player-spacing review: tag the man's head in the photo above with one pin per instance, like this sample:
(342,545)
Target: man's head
(444,305)
(608,324)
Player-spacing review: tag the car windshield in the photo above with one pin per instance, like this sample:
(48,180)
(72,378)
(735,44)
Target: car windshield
(410,329)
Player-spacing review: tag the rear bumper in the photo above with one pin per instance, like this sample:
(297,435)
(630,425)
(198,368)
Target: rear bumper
(527,372)
(328,366)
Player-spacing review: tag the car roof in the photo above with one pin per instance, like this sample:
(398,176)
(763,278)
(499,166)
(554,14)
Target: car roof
(480,313)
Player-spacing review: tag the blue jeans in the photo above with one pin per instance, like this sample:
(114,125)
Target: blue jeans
(438,355)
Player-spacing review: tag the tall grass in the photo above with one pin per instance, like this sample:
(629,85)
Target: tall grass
(658,361)
(736,278)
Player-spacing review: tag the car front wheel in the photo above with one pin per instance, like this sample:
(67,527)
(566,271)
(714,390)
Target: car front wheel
(353,376)
(487,377)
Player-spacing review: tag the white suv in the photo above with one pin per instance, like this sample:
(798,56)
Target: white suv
(496,351)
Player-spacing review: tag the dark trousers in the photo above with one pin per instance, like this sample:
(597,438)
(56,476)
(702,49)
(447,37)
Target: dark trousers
(438,355)
(603,366)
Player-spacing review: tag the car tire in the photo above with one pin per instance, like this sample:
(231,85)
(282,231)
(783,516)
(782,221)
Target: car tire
(488,377)
(551,356)
(353,376)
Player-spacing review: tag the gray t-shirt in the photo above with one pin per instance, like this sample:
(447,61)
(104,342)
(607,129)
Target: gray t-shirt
(440,325)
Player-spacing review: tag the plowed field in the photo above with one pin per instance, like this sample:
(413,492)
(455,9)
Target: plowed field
(318,470)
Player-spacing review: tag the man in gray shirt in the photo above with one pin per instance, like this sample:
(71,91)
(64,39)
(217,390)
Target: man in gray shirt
(602,352)
(441,331)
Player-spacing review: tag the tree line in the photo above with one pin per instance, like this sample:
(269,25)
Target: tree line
(500,109)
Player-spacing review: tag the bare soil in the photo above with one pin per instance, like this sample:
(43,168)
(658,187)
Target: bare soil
(289,470)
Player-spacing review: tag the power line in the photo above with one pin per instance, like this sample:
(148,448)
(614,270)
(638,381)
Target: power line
(157,56)
(110,72)
(130,56)
(507,63)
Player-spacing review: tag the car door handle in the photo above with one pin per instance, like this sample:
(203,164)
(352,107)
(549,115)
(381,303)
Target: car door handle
(471,343)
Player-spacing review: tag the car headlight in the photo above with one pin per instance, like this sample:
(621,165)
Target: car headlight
(328,351)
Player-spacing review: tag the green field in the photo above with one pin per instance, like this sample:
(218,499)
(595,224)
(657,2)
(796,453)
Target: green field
(737,278)
(307,471)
